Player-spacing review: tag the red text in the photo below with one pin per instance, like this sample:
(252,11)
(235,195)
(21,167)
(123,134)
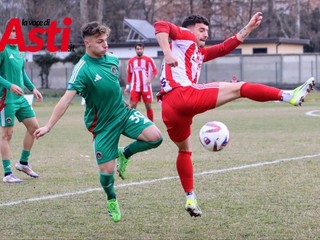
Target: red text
(34,38)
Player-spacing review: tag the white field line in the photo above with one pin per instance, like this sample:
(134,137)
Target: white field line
(144,182)
(314,113)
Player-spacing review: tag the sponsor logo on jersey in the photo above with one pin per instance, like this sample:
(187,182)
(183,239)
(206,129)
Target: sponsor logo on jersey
(97,77)
(114,70)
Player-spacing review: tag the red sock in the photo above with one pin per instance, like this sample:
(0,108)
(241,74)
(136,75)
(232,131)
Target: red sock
(185,170)
(260,92)
(150,114)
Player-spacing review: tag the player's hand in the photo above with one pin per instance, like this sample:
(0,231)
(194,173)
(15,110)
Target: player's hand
(170,60)
(16,90)
(126,91)
(255,21)
(37,94)
(40,132)
(148,81)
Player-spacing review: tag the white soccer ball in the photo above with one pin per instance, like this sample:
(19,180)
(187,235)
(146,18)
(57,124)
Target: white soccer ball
(214,136)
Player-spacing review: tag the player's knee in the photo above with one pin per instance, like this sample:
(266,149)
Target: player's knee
(7,137)
(156,143)
(148,106)
(33,128)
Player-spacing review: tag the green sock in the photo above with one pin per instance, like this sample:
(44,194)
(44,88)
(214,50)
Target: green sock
(140,146)
(107,183)
(24,157)
(6,167)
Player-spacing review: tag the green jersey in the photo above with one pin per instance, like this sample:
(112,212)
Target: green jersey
(12,72)
(97,81)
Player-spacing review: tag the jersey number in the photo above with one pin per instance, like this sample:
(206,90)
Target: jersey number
(136,116)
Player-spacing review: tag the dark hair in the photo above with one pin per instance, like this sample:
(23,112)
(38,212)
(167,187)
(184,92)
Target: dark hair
(92,28)
(139,45)
(193,19)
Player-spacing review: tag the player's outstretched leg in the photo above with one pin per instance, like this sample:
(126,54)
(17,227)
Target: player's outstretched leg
(114,209)
(26,169)
(301,92)
(192,208)
(122,163)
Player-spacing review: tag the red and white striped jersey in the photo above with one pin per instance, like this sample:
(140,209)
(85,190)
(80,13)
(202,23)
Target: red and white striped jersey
(188,55)
(139,69)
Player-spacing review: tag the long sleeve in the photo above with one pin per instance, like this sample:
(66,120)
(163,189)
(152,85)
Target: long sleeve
(220,49)
(5,83)
(27,82)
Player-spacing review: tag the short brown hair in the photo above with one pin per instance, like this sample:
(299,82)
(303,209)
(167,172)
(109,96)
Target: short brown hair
(93,28)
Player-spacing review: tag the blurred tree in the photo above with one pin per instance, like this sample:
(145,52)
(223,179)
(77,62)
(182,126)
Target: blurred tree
(311,28)
(75,56)
(84,12)
(282,18)
(53,10)
(91,11)
(11,9)
(45,61)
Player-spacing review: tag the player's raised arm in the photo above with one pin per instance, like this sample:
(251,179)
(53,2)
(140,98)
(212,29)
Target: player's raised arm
(57,113)
(252,24)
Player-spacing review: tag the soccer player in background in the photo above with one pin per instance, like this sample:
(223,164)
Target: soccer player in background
(13,80)
(140,72)
(107,116)
(182,98)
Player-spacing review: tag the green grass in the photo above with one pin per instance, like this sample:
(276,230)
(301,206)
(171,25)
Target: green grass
(275,201)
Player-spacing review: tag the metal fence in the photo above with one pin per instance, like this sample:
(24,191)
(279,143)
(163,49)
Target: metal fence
(282,71)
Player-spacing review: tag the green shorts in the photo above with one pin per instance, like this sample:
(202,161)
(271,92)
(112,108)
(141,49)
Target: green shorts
(21,109)
(106,142)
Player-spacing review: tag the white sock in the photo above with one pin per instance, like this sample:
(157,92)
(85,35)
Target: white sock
(286,95)
(190,195)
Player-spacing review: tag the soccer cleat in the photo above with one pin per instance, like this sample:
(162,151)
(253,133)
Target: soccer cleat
(114,210)
(11,179)
(122,163)
(26,169)
(301,92)
(193,208)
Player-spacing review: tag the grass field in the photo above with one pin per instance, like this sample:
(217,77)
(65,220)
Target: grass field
(264,185)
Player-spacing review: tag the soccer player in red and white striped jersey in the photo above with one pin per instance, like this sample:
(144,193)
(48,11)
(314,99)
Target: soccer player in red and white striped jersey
(182,98)
(141,70)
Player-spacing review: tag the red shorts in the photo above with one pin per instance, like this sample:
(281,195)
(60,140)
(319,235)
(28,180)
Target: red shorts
(147,97)
(180,105)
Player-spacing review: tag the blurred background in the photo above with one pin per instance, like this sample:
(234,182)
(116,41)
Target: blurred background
(283,51)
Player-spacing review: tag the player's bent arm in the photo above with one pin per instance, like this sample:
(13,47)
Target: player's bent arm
(163,40)
(10,86)
(26,81)
(57,113)
(16,90)
(5,83)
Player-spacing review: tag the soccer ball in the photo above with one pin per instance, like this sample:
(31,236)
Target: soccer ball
(214,136)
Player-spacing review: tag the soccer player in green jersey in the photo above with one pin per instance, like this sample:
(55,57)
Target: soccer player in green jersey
(107,116)
(13,79)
